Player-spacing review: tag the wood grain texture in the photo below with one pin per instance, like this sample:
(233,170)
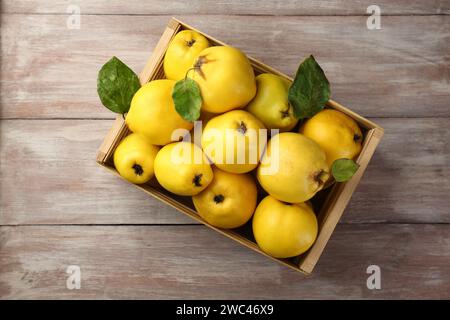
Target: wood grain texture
(49,176)
(82,215)
(193,262)
(402,70)
(54,162)
(231,7)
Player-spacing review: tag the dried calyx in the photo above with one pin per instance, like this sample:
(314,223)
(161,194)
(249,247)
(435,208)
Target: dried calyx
(197,179)
(321,177)
(190,43)
(242,128)
(218,198)
(198,65)
(284,113)
(138,169)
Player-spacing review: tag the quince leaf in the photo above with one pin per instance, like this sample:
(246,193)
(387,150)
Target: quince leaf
(187,99)
(116,85)
(310,89)
(343,169)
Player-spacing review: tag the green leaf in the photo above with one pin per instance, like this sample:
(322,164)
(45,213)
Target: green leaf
(343,169)
(187,99)
(310,89)
(116,85)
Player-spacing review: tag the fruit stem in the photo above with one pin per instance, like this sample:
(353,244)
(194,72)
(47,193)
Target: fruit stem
(356,137)
(190,69)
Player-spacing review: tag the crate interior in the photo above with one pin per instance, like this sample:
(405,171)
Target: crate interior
(242,234)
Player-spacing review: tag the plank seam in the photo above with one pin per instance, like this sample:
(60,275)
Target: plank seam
(230,15)
(198,224)
(103,119)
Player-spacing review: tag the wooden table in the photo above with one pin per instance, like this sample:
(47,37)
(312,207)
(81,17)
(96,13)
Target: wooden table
(59,208)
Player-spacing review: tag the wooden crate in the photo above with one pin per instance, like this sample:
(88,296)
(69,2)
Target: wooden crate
(332,201)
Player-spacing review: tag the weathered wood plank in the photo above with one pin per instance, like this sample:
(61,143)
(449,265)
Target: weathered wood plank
(401,70)
(193,262)
(49,176)
(253,7)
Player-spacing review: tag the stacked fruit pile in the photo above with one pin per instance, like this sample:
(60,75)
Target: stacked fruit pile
(253,129)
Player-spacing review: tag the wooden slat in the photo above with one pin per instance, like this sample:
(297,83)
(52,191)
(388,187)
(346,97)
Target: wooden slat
(253,7)
(193,262)
(49,175)
(49,71)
